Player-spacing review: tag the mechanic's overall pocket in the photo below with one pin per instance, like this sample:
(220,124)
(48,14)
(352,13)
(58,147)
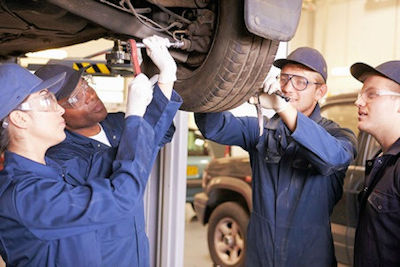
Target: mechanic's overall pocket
(384,202)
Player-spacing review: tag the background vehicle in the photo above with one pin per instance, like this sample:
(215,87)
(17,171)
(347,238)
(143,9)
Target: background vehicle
(198,158)
(229,45)
(225,203)
(200,153)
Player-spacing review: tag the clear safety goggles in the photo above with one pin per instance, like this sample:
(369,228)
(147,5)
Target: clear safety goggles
(370,94)
(78,96)
(44,102)
(298,82)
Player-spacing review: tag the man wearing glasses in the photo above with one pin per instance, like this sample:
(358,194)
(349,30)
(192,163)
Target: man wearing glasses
(89,127)
(377,241)
(298,165)
(91,130)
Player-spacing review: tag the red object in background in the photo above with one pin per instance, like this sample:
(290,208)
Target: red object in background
(227,152)
(134,57)
(248,179)
(1,161)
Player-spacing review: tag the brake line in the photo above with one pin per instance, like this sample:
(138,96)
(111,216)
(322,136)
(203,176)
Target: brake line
(173,14)
(142,19)
(145,20)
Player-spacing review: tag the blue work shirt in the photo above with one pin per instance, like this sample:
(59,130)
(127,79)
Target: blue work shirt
(46,221)
(297,180)
(73,153)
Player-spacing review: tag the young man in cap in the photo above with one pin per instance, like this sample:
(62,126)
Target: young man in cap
(298,165)
(377,241)
(90,130)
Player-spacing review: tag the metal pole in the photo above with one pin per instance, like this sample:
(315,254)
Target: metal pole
(165,200)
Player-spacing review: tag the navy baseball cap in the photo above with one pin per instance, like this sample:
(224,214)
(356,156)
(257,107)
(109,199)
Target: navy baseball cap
(17,83)
(71,79)
(308,57)
(390,70)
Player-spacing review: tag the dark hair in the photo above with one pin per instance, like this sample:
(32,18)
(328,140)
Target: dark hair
(4,137)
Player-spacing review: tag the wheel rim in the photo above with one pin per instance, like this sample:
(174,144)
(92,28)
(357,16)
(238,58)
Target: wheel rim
(228,240)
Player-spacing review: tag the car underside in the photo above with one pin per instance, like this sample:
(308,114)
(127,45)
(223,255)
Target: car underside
(219,67)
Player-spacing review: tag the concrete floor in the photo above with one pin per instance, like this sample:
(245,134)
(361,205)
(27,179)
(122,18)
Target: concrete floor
(196,248)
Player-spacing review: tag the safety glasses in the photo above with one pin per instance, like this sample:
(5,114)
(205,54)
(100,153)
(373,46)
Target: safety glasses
(78,96)
(45,101)
(370,94)
(298,82)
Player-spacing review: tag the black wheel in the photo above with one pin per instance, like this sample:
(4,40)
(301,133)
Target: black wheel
(227,229)
(235,67)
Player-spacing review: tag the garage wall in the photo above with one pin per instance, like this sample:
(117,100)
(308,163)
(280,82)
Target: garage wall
(348,31)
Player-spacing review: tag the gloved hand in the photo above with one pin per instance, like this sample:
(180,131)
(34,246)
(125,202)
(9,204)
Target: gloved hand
(156,48)
(270,100)
(140,94)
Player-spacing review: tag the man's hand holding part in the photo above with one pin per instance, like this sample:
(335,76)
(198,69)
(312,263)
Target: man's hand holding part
(269,99)
(156,48)
(140,94)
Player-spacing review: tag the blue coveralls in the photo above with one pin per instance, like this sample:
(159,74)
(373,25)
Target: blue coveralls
(297,180)
(73,153)
(45,221)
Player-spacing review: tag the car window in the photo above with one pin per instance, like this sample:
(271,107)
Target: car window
(345,114)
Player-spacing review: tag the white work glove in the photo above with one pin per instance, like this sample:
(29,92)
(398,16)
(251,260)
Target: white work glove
(140,94)
(156,48)
(270,100)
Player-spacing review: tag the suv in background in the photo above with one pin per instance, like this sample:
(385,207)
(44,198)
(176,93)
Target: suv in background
(225,205)
(200,153)
(197,160)
(226,201)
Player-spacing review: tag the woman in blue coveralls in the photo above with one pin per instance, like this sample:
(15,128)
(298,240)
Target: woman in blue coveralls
(298,165)
(45,221)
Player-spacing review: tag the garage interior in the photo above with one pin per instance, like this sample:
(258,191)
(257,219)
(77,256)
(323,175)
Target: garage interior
(344,31)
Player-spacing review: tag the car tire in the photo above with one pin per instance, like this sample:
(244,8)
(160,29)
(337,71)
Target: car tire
(234,69)
(227,229)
